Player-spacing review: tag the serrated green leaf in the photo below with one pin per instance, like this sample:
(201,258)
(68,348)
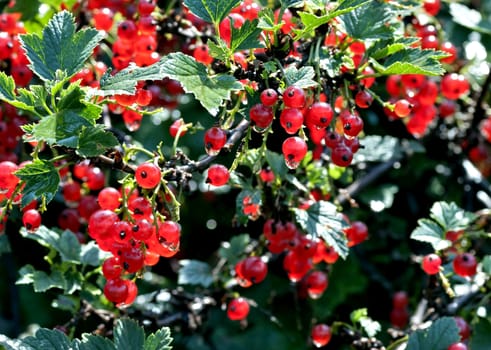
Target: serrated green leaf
(246,37)
(470,18)
(384,48)
(303,77)
(125,81)
(412,61)
(69,247)
(60,47)
(160,340)
(290,3)
(430,232)
(211,91)
(370,21)
(93,342)
(41,181)
(439,336)
(450,216)
(26,275)
(73,99)
(42,281)
(233,251)
(212,11)
(323,220)
(48,339)
(332,63)
(219,50)
(73,281)
(195,272)
(128,334)
(60,129)
(94,141)
(267,20)
(43,235)
(7,93)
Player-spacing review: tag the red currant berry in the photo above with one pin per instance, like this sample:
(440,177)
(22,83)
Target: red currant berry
(294,97)
(269,97)
(31,220)
(176,126)
(296,266)
(432,7)
(202,54)
(215,139)
(431,264)
(291,119)
(218,175)
(146,7)
(449,48)
(402,108)
(316,284)
(321,335)
(109,198)
(132,259)
(238,309)
(294,150)
(400,300)
(148,175)
(399,318)
(465,265)
(454,86)
(116,290)
(464,328)
(352,124)
(261,116)
(127,30)
(254,269)
(363,99)
(111,268)
(458,346)
(342,155)
(319,115)
(356,233)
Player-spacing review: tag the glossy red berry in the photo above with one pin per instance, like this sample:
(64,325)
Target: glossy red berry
(465,265)
(31,220)
(177,125)
(296,266)
(215,139)
(116,290)
(217,175)
(127,30)
(319,115)
(399,317)
(458,346)
(269,97)
(321,335)
(103,19)
(316,282)
(202,54)
(238,309)
(148,175)
(432,7)
(294,150)
(449,48)
(363,99)
(253,269)
(109,198)
(352,124)
(261,116)
(291,119)
(431,264)
(402,108)
(356,233)
(146,7)
(341,155)
(132,259)
(294,97)
(400,300)
(454,85)
(111,268)
(464,328)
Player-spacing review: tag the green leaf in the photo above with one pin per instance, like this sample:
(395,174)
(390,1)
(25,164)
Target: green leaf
(267,20)
(93,342)
(322,219)
(41,281)
(160,340)
(41,181)
(67,303)
(125,81)
(26,274)
(48,339)
(430,232)
(439,336)
(69,247)
(12,344)
(303,77)
(370,21)
(412,61)
(233,251)
(212,11)
(211,91)
(470,18)
(60,47)
(246,37)
(195,272)
(60,128)
(92,255)
(128,334)
(370,326)
(219,50)
(450,216)
(486,264)
(277,163)
(7,93)
(94,141)
(384,48)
